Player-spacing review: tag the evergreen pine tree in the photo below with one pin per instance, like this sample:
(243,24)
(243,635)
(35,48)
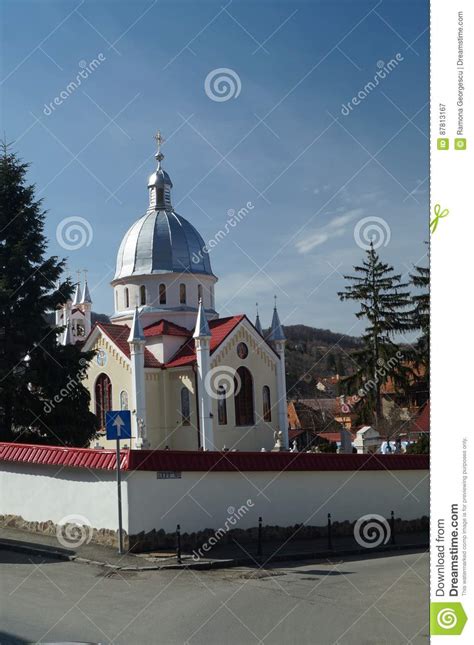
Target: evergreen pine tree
(42,399)
(420,279)
(384,304)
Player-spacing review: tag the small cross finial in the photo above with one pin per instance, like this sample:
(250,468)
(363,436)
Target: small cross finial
(275,298)
(158,137)
(84,271)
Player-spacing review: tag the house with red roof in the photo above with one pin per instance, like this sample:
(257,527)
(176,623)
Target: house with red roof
(191,379)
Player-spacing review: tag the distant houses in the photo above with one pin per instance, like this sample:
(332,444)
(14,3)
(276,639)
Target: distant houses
(314,423)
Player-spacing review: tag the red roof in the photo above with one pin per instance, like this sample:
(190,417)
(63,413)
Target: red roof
(59,456)
(165,328)
(119,334)
(421,424)
(167,460)
(220,329)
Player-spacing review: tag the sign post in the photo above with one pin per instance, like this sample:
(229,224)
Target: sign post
(118,426)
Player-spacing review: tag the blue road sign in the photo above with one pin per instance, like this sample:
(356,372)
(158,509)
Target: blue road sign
(118,424)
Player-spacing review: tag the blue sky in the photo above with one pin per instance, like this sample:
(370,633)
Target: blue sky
(310,172)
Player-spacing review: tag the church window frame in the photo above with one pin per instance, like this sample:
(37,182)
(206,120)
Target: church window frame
(185,400)
(266,403)
(126,294)
(182,294)
(143,295)
(244,400)
(221,406)
(200,298)
(162,293)
(103,397)
(124,400)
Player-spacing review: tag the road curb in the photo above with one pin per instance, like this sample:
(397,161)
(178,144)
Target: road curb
(212,564)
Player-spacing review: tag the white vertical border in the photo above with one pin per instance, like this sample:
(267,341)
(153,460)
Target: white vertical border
(452,284)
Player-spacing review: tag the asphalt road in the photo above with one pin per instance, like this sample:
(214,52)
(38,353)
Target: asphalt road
(378,600)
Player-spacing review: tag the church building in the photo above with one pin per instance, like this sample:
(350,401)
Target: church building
(191,379)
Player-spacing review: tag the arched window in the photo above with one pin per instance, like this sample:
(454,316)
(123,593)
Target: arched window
(182,294)
(162,294)
(185,407)
(124,400)
(244,411)
(200,292)
(143,295)
(221,406)
(116,300)
(267,407)
(213,304)
(103,397)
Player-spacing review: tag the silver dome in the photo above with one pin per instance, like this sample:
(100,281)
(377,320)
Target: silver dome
(161,242)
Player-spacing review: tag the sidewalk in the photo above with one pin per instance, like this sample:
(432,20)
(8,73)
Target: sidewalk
(222,555)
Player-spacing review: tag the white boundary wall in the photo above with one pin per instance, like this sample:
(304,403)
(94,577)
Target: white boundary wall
(40,493)
(281,498)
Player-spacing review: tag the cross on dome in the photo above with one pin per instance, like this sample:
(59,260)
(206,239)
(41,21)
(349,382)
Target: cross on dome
(158,137)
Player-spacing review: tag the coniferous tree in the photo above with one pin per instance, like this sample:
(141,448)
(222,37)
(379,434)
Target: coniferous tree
(42,399)
(420,279)
(384,304)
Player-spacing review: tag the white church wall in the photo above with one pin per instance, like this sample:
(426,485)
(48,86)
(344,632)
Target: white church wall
(173,310)
(280,498)
(39,493)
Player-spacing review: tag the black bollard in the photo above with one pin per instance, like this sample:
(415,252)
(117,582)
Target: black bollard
(329,532)
(259,537)
(178,544)
(392,527)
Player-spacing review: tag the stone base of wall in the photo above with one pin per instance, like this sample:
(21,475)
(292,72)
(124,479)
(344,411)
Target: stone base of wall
(70,535)
(73,534)
(156,540)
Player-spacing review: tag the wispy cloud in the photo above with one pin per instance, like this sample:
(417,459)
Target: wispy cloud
(335,227)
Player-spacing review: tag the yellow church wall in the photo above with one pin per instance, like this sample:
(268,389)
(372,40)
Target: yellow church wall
(263,370)
(165,426)
(180,436)
(117,368)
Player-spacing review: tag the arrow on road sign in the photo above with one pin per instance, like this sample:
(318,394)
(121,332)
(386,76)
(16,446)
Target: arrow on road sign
(118,423)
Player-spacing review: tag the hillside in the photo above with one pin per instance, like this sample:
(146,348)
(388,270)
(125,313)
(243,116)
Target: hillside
(313,353)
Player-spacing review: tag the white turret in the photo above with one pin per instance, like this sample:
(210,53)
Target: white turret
(258,325)
(136,340)
(202,340)
(77,292)
(278,339)
(86,306)
(67,334)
